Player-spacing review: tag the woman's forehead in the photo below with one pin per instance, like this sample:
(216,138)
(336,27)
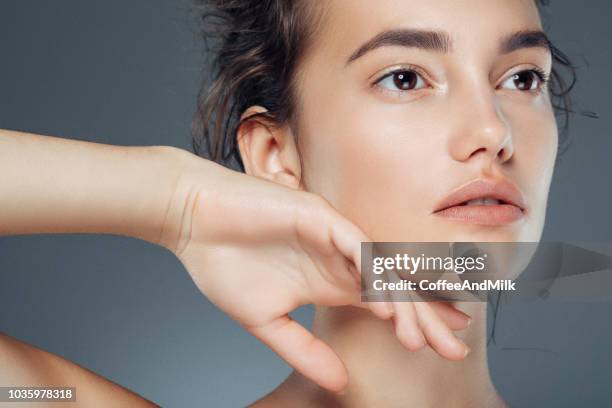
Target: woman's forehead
(347,24)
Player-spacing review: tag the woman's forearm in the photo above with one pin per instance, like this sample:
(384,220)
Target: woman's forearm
(53,185)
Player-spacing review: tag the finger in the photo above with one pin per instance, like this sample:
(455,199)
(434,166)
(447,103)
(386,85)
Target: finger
(383,309)
(455,319)
(300,349)
(378,302)
(347,237)
(407,328)
(438,334)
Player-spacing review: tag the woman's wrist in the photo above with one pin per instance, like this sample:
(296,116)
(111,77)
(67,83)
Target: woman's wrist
(170,223)
(152,191)
(194,179)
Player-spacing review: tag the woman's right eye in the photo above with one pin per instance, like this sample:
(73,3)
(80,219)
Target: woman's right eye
(401,80)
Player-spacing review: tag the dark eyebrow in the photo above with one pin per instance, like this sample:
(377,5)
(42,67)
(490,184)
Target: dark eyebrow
(524,39)
(428,40)
(441,41)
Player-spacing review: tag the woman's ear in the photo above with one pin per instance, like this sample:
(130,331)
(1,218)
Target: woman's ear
(268,150)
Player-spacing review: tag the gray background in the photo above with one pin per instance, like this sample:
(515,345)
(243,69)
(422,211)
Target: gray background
(127,72)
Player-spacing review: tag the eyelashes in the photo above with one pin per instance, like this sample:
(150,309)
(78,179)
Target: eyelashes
(403,79)
(409,78)
(526,79)
(544,76)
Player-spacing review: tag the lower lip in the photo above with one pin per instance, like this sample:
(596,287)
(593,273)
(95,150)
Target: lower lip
(493,215)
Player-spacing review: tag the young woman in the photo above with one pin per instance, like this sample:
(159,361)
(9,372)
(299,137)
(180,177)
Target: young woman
(353,121)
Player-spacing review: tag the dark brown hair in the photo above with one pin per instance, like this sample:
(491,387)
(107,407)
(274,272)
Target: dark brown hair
(256,46)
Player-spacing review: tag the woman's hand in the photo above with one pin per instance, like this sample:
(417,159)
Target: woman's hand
(259,250)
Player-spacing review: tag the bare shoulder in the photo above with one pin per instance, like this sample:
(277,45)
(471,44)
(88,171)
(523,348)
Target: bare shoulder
(295,392)
(284,398)
(274,399)
(26,365)
(279,397)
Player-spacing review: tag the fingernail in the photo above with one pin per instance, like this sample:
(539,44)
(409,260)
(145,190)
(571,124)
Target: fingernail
(422,340)
(469,321)
(467,351)
(389,308)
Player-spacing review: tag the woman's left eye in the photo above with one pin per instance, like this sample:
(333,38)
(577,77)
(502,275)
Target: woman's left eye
(529,80)
(401,80)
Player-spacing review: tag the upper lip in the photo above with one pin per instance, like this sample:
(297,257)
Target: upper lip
(502,190)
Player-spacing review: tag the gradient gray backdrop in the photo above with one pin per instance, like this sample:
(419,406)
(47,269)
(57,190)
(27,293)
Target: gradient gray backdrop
(127,72)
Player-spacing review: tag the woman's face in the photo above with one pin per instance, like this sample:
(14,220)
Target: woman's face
(386,148)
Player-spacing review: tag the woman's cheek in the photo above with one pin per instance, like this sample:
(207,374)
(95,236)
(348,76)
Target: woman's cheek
(535,139)
(382,166)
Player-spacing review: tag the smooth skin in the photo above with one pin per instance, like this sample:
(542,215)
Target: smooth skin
(279,240)
(370,163)
(384,156)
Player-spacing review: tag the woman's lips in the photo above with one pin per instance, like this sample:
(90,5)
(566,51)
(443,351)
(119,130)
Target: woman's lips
(498,202)
(494,215)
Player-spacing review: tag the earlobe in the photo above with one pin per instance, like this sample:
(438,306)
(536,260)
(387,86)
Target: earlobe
(268,150)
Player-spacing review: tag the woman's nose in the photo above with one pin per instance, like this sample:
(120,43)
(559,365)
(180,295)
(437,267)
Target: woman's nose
(480,129)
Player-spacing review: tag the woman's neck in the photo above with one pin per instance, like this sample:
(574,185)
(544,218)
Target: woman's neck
(383,373)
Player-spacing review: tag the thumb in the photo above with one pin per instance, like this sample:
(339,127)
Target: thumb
(303,351)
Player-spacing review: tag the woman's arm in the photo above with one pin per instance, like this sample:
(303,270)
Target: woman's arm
(24,365)
(52,185)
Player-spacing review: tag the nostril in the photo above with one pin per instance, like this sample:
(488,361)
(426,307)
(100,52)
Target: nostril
(505,153)
(482,149)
